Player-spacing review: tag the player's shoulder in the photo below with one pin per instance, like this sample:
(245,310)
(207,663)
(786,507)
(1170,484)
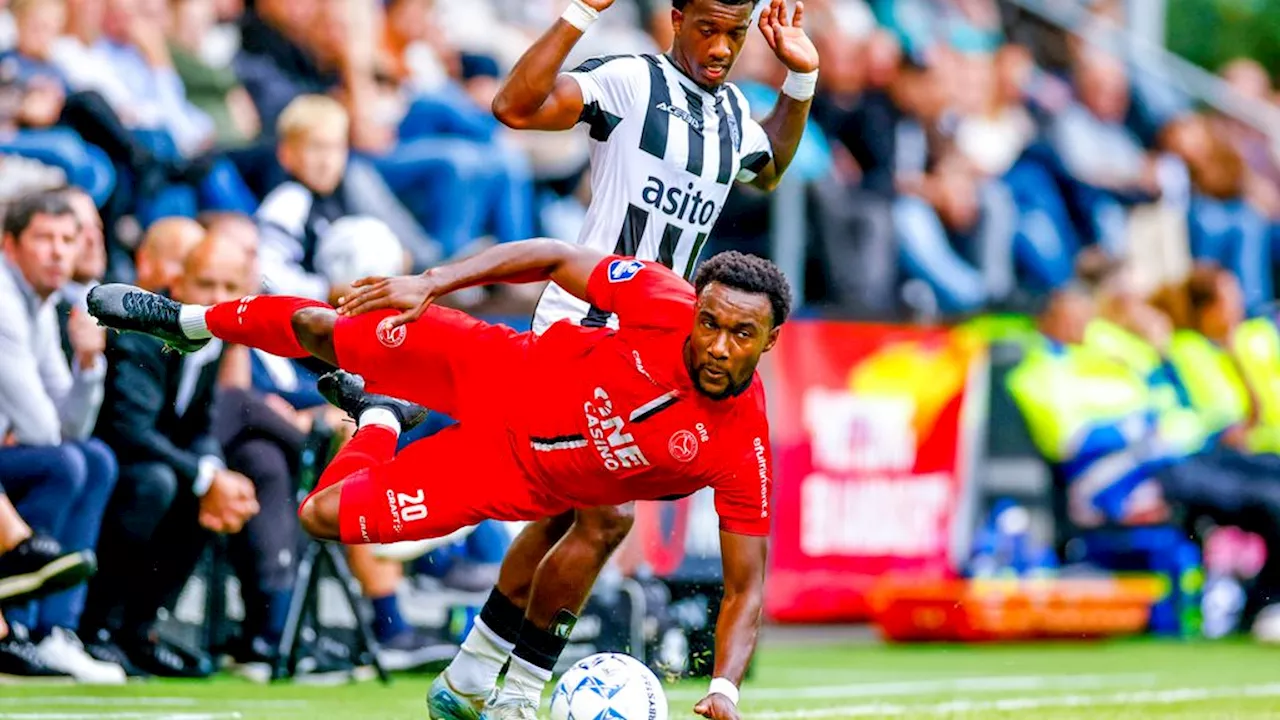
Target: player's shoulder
(612,64)
(752,406)
(626,269)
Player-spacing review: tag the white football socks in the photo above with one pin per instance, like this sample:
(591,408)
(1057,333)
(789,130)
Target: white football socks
(524,683)
(475,670)
(191,318)
(379,416)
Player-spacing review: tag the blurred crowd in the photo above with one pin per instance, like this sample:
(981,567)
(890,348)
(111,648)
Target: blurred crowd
(960,158)
(1160,410)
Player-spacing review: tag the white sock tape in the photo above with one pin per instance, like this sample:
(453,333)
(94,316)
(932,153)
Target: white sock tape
(580,15)
(800,86)
(724,687)
(379,416)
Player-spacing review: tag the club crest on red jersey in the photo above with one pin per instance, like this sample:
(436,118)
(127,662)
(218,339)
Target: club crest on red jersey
(624,270)
(683,446)
(391,337)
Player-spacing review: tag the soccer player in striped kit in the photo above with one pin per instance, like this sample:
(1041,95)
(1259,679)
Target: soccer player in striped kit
(669,136)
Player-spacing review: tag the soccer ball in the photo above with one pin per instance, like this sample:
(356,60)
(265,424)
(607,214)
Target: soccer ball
(609,686)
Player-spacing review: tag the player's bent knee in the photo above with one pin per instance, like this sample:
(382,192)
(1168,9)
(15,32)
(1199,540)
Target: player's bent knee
(314,328)
(319,514)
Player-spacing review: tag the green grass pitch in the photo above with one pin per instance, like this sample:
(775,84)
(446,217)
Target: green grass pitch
(1126,679)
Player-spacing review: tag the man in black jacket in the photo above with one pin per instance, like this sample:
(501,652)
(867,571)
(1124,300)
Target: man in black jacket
(174,487)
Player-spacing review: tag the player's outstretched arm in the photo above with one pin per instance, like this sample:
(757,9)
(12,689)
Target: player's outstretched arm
(785,124)
(744,558)
(535,96)
(569,266)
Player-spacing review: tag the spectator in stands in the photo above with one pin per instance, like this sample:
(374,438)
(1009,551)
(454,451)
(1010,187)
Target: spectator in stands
(1225,227)
(273,62)
(927,27)
(133,73)
(295,216)
(443,155)
(1108,167)
(164,250)
(175,489)
(34,565)
(213,89)
(417,54)
(134,45)
(241,229)
(1251,81)
(91,256)
(36,98)
(262,440)
(58,477)
(1227,364)
(854,224)
(1095,420)
(31,566)
(954,230)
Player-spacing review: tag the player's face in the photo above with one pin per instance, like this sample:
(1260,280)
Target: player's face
(731,330)
(708,38)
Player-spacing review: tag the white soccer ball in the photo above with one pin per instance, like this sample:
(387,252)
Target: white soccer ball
(358,246)
(609,686)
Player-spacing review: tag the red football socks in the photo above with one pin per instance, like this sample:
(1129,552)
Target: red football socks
(362,508)
(260,321)
(371,446)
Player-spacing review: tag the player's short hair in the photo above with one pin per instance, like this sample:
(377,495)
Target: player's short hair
(748,273)
(680,4)
(307,112)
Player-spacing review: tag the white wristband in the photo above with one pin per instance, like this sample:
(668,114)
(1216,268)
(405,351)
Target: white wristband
(724,687)
(800,86)
(580,15)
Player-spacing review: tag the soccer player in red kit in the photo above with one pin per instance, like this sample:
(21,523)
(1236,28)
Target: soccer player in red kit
(576,417)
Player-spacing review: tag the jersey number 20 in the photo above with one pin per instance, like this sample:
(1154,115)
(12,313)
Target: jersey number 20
(411,507)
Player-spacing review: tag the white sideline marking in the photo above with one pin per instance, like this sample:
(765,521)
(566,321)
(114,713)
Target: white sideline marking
(146,701)
(994,683)
(1150,697)
(121,716)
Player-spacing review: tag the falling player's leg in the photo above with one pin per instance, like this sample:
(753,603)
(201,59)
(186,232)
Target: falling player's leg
(285,326)
(379,420)
(560,589)
(463,689)
(455,478)
(546,579)
(443,360)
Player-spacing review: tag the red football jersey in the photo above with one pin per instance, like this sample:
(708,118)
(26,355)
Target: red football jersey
(614,416)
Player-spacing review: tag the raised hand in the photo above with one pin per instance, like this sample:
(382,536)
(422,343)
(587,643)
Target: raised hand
(786,37)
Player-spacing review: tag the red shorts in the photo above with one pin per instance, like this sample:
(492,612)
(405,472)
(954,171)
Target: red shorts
(465,368)
(445,360)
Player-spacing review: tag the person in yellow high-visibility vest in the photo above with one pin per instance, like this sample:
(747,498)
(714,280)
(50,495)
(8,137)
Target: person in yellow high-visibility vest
(1098,423)
(1130,330)
(1229,366)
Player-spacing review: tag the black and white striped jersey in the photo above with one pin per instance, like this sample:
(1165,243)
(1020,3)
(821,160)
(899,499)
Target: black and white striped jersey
(664,154)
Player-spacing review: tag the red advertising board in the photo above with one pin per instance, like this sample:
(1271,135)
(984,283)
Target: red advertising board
(867,425)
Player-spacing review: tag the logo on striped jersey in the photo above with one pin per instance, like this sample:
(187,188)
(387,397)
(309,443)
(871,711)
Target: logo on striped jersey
(624,270)
(685,115)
